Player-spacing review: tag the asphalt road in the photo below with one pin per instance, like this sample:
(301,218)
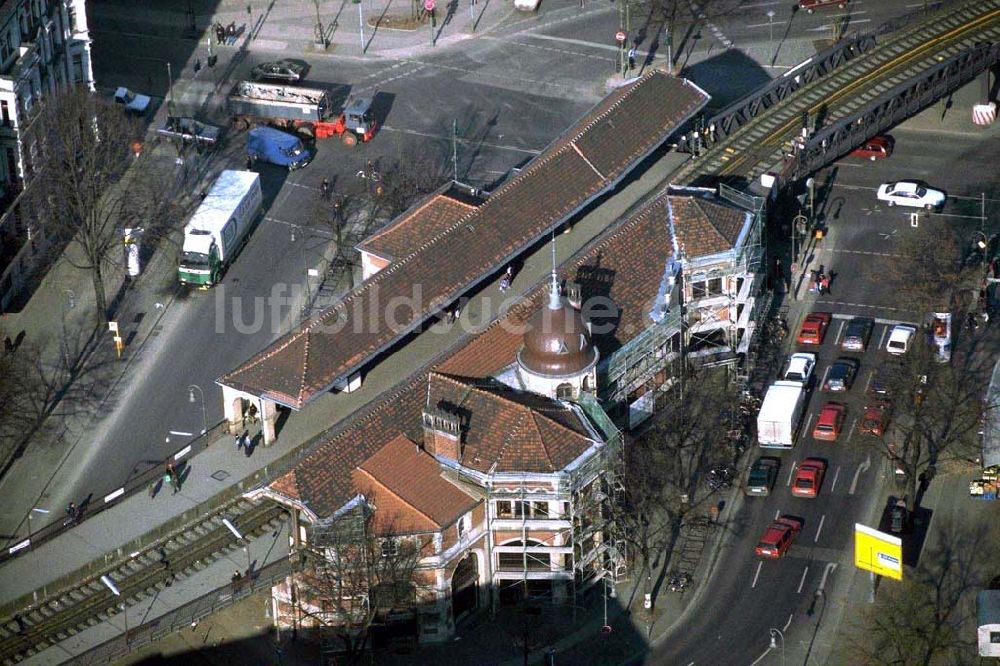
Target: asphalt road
(863,239)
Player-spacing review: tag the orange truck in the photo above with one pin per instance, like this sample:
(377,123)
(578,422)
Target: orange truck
(303,110)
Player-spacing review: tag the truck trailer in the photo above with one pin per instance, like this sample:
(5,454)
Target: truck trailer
(780,414)
(219,228)
(304,110)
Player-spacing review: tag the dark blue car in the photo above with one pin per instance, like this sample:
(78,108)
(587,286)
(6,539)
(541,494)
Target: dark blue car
(267,144)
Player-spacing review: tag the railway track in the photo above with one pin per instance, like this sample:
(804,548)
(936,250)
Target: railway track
(60,616)
(900,57)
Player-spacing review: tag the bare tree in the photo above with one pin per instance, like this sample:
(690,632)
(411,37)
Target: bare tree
(358,570)
(933,276)
(82,188)
(667,466)
(937,413)
(929,617)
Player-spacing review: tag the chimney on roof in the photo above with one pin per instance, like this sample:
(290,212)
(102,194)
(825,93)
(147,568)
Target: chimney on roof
(442,436)
(574,295)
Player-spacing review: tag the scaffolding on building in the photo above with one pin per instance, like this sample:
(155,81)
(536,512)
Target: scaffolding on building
(594,538)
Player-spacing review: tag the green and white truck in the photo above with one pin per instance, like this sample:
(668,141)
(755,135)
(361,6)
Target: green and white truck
(219,228)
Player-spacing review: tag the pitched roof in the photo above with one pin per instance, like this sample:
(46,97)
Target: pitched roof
(408,491)
(407,232)
(569,174)
(704,226)
(504,430)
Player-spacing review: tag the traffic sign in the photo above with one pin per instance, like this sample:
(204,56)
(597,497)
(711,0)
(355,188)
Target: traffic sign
(429,5)
(620,36)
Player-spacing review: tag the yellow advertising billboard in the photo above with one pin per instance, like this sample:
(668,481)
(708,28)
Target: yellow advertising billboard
(878,552)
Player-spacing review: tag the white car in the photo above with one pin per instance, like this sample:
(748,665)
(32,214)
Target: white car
(800,367)
(900,338)
(133,102)
(910,193)
(526,5)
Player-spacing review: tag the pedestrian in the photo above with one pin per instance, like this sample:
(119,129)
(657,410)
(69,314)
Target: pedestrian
(239,442)
(250,162)
(631,58)
(325,188)
(203,195)
(504,284)
(247,443)
(220,33)
(73,513)
(824,285)
(171,477)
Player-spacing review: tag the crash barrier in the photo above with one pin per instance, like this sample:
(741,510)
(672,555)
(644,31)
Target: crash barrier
(136,484)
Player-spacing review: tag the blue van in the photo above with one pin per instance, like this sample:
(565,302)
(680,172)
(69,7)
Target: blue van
(270,145)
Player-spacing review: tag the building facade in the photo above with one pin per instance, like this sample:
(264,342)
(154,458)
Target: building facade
(44,48)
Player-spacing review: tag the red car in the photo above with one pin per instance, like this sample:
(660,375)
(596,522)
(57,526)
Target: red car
(809,478)
(813,328)
(876,418)
(876,148)
(830,421)
(812,5)
(778,537)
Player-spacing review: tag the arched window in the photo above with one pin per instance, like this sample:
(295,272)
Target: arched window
(564,391)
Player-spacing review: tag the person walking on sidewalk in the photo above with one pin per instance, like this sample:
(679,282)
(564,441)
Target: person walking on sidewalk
(73,513)
(325,188)
(171,478)
(239,442)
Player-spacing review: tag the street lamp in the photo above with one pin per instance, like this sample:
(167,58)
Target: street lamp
(33,510)
(774,643)
(770,41)
(201,395)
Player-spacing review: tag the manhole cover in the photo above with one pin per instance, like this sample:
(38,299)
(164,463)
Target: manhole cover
(221,475)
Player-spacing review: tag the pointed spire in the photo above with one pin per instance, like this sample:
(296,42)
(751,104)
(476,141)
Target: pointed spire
(554,301)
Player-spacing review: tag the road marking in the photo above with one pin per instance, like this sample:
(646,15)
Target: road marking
(863,467)
(777,514)
(429,135)
(881,342)
(825,374)
(868,383)
(840,330)
(803,581)
(762,4)
(850,432)
(828,28)
(754,583)
(787,624)
(836,475)
(181,433)
(808,421)
(791,473)
(819,530)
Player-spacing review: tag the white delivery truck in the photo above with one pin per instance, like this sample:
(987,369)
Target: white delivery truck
(219,228)
(779,414)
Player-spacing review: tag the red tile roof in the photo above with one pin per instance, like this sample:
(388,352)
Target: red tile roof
(428,219)
(705,227)
(555,185)
(504,430)
(409,493)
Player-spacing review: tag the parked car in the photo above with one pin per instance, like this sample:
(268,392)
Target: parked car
(133,102)
(289,71)
(762,476)
(876,418)
(800,367)
(941,335)
(526,5)
(879,384)
(900,338)
(778,537)
(856,336)
(809,478)
(189,129)
(830,422)
(812,5)
(875,148)
(840,376)
(910,193)
(813,328)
